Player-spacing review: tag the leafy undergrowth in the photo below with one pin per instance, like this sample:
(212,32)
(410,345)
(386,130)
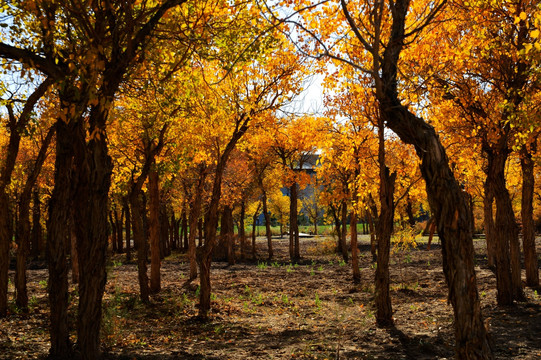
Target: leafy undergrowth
(280,310)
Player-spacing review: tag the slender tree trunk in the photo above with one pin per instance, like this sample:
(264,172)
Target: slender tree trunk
(141,244)
(343,238)
(184,238)
(5,243)
(211,225)
(268,232)
(528,231)
(37,232)
(195,214)
(23,225)
(354,248)
(292,220)
(154,231)
(373,242)
(338,228)
(114,240)
(127,227)
(200,231)
(254,230)
(242,230)
(119,238)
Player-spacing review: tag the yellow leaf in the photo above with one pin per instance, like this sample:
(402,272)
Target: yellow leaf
(535,34)
(523,16)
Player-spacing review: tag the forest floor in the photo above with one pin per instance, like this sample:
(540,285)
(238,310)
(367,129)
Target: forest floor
(279,310)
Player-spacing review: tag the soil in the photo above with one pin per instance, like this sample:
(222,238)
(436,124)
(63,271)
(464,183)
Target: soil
(279,310)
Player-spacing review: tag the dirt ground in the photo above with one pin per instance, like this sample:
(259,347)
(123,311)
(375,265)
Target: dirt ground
(279,310)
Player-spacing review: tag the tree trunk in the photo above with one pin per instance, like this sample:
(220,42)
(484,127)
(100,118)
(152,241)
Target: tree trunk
(293,227)
(384,229)
(195,214)
(242,230)
(114,241)
(200,231)
(444,196)
(127,227)
(154,230)
(268,232)
(119,238)
(528,231)
(23,225)
(5,243)
(184,238)
(36,235)
(505,232)
(93,169)
(343,238)
(338,228)
(60,206)
(73,253)
(354,248)
(488,220)
(373,242)
(254,230)
(141,244)
(211,225)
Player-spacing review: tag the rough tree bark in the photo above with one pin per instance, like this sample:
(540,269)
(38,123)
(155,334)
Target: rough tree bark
(444,194)
(528,231)
(154,230)
(384,230)
(36,235)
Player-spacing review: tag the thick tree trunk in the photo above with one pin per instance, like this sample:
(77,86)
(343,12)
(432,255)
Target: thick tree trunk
(528,230)
(57,235)
(488,222)
(268,232)
(36,235)
(343,238)
(154,231)
(384,230)
(354,248)
(141,244)
(74,259)
(94,168)
(444,195)
(505,232)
